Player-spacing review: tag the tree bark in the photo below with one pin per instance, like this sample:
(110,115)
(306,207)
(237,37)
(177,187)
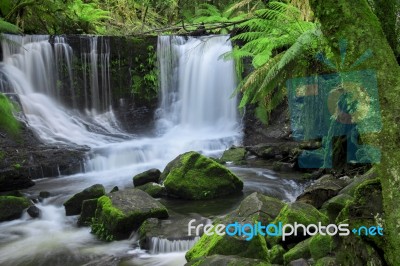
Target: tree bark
(354,21)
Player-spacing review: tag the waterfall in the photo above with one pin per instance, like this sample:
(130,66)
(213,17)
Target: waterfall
(35,70)
(162,245)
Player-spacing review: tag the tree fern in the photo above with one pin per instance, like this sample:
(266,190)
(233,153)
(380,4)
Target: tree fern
(274,38)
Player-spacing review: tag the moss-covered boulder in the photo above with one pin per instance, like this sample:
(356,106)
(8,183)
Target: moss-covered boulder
(236,155)
(335,205)
(323,189)
(358,180)
(11,179)
(276,254)
(221,260)
(73,206)
(326,261)
(121,212)
(321,246)
(12,207)
(194,176)
(300,213)
(153,189)
(152,175)
(256,248)
(88,212)
(299,251)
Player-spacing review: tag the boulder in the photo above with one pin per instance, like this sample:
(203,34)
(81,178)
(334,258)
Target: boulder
(121,212)
(44,194)
(300,213)
(33,211)
(232,260)
(335,205)
(299,251)
(276,254)
(236,155)
(321,246)
(194,176)
(256,248)
(73,206)
(299,262)
(114,189)
(351,188)
(153,189)
(283,167)
(13,180)
(275,150)
(256,207)
(175,228)
(12,207)
(326,261)
(152,175)
(323,189)
(88,212)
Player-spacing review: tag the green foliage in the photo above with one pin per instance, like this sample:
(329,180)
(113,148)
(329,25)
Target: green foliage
(8,122)
(100,230)
(274,39)
(145,76)
(8,27)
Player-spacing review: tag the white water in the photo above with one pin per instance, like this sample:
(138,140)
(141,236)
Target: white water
(196,113)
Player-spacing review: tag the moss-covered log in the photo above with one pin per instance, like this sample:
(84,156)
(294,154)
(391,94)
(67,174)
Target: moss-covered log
(354,21)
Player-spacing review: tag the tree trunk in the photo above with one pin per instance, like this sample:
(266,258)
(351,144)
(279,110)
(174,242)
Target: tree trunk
(354,21)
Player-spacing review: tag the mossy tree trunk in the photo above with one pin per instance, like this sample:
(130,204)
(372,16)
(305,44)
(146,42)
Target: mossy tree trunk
(354,21)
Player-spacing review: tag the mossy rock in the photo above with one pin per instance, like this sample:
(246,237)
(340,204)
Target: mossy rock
(152,175)
(153,189)
(276,254)
(321,246)
(73,206)
(300,213)
(299,251)
(195,177)
(121,212)
(235,155)
(12,207)
(221,260)
(88,212)
(335,205)
(256,248)
(352,187)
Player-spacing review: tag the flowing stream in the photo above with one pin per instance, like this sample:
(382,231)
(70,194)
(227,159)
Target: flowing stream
(196,112)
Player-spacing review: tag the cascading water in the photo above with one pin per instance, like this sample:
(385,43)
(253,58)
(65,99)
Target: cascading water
(196,112)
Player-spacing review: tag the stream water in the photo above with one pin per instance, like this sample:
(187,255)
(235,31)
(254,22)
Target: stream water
(196,112)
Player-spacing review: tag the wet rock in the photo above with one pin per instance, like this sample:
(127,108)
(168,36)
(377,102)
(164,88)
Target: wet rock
(33,211)
(88,212)
(194,176)
(275,150)
(321,246)
(153,189)
(283,167)
(13,180)
(235,155)
(73,206)
(276,254)
(44,194)
(232,260)
(356,181)
(152,175)
(114,189)
(323,189)
(12,207)
(172,229)
(121,212)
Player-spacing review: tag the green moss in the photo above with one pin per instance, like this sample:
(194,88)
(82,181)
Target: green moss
(335,205)
(235,155)
(194,176)
(326,261)
(301,250)
(227,245)
(11,207)
(8,122)
(301,213)
(153,189)
(320,246)
(276,254)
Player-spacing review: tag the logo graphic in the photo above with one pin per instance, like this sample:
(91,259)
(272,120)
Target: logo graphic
(340,104)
